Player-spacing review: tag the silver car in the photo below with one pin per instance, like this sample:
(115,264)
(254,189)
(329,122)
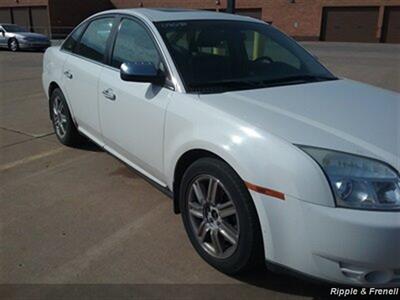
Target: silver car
(15,38)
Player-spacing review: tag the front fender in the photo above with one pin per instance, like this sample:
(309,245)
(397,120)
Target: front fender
(259,157)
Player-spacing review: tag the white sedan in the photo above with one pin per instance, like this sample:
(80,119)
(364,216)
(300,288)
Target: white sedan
(267,155)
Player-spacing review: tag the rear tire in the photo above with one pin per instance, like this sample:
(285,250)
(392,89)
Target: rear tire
(13,45)
(63,124)
(227,233)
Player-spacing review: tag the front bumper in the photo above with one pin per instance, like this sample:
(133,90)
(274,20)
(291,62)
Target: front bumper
(341,245)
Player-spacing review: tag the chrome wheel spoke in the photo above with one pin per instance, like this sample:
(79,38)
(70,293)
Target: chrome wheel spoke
(203,229)
(198,191)
(226,209)
(61,129)
(229,233)
(63,119)
(55,111)
(212,190)
(196,210)
(216,243)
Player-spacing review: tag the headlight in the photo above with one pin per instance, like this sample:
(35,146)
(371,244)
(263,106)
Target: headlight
(359,182)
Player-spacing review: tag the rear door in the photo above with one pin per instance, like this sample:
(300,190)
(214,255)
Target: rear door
(133,113)
(81,75)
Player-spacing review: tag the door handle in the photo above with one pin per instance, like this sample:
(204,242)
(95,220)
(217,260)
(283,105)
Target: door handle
(109,94)
(68,74)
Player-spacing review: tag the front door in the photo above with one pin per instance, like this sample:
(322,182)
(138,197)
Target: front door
(132,114)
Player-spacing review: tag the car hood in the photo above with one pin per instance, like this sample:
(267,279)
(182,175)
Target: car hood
(31,34)
(341,115)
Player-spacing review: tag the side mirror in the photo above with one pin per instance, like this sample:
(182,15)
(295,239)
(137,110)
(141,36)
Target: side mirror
(2,32)
(141,72)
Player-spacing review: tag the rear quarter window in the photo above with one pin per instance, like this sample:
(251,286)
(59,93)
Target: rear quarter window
(71,42)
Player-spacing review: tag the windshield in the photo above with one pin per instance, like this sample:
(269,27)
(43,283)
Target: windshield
(216,56)
(13,28)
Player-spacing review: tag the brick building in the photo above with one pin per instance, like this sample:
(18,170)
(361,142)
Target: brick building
(55,18)
(331,20)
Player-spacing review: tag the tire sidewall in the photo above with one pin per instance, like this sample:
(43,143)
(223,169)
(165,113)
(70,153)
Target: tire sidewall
(240,195)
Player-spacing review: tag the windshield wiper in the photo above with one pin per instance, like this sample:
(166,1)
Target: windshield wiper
(298,78)
(224,83)
(227,85)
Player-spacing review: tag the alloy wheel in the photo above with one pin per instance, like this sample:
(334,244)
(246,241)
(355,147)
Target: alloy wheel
(14,45)
(59,117)
(213,216)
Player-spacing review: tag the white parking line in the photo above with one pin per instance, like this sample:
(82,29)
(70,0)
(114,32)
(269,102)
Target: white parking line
(30,159)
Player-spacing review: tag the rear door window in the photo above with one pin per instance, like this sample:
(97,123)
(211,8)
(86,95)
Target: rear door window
(93,43)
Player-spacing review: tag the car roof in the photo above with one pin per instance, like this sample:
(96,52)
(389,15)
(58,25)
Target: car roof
(178,14)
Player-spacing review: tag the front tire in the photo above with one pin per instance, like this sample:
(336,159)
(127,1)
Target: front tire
(219,217)
(13,45)
(63,123)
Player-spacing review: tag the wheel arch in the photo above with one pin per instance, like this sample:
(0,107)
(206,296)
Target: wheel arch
(10,39)
(52,86)
(184,161)
(187,159)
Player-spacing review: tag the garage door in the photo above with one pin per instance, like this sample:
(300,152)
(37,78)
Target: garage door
(350,24)
(254,13)
(391,25)
(5,15)
(21,16)
(40,20)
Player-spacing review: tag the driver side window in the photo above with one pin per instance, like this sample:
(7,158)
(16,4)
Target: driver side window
(259,46)
(134,44)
